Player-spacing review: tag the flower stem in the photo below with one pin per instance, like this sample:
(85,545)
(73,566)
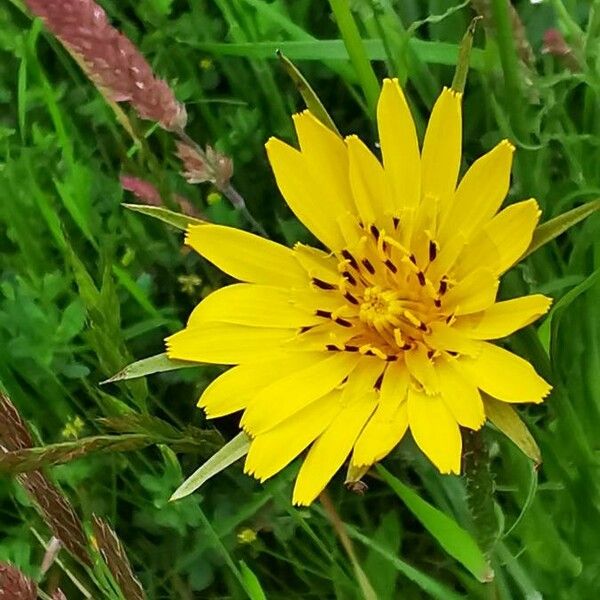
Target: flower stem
(356,50)
(480,489)
(510,67)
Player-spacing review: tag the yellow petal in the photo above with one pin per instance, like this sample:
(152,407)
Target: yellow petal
(504,318)
(302,193)
(327,159)
(503,240)
(287,395)
(252,305)
(460,396)
(475,292)
(446,338)
(367,180)
(273,450)
(440,160)
(245,256)
(399,146)
(421,368)
(435,430)
(331,449)
(233,390)
(480,193)
(504,375)
(389,422)
(317,263)
(226,344)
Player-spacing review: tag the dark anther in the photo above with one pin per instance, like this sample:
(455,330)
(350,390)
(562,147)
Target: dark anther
(350,348)
(323,313)
(306,328)
(430,354)
(375,232)
(391,357)
(378,383)
(343,322)
(443,287)
(391,266)
(396,222)
(438,303)
(448,318)
(349,278)
(368,265)
(413,259)
(422,326)
(324,285)
(385,246)
(346,254)
(369,353)
(452,352)
(432,250)
(350,298)
(332,347)
(421,277)
(406,346)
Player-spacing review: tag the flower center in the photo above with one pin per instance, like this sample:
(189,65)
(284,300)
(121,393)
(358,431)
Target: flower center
(390,298)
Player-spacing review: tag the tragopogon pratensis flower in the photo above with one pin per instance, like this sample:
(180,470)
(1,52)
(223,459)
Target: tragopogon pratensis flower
(344,349)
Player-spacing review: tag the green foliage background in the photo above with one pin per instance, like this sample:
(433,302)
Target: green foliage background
(86,287)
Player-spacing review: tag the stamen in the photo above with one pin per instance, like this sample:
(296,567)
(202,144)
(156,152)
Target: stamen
(351,298)
(348,256)
(432,250)
(349,278)
(306,328)
(350,348)
(391,266)
(396,222)
(324,285)
(413,259)
(323,313)
(438,303)
(391,357)
(378,382)
(430,354)
(374,232)
(332,348)
(421,278)
(343,322)
(443,287)
(367,263)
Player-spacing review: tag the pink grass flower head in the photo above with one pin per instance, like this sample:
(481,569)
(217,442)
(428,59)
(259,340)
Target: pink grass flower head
(110,59)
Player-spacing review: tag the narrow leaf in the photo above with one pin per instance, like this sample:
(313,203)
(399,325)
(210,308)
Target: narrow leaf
(455,540)
(177,220)
(225,457)
(506,419)
(312,101)
(252,586)
(148,366)
(462,67)
(551,229)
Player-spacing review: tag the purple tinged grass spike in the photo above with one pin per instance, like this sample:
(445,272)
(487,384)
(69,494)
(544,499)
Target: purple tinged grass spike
(110,59)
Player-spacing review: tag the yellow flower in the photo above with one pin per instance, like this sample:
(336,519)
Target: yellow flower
(344,349)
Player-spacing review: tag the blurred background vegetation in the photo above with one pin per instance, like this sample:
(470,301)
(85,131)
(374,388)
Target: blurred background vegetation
(87,287)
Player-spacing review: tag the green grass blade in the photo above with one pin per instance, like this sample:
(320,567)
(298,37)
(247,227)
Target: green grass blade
(506,419)
(252,584)
(357,52)
(312,101)
(440,53)
(455,540)
(225,457)
(160,363)
(165,215)
(551,229)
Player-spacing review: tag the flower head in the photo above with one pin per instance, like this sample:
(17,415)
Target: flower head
(345,349)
